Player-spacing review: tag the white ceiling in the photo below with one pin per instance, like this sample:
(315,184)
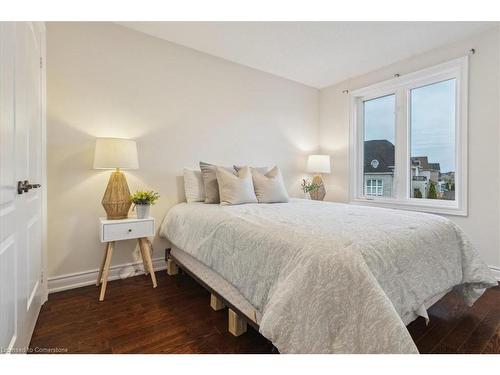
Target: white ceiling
(317,54)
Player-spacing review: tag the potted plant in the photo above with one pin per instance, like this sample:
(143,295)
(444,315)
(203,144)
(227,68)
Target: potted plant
(142,201)
(308,188)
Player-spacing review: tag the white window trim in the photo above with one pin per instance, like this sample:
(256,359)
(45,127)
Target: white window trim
(457,69)
(374,187)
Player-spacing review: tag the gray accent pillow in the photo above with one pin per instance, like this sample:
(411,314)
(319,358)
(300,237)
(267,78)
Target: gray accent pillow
(269,187)
(235,189)
(208,173)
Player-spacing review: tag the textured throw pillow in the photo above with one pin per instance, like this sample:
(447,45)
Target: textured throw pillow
(262,170)
(194,188)
(210,181)
(235,189)
(269,187)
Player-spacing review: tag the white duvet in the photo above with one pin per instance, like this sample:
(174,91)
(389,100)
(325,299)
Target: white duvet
(331,277)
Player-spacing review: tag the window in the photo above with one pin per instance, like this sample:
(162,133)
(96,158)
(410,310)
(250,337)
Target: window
(409,146)
(378,143)
(374,187)
(432,124)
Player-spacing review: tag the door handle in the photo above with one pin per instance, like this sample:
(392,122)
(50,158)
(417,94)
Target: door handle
(25,186)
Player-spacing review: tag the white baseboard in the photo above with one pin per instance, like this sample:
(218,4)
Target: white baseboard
(496,272)
(121,271)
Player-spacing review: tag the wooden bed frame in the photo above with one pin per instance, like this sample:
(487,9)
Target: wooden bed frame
(237,319)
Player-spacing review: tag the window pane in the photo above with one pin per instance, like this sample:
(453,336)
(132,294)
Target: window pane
(379,137)
(432,116)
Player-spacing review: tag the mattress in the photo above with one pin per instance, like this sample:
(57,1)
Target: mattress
(330,277)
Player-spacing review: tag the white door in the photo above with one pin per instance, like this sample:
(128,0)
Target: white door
(22,290)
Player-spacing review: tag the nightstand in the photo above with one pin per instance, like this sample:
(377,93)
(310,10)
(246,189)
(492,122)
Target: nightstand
(125,229)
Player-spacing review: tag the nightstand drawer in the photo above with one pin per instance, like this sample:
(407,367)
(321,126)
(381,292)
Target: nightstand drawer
(127,230)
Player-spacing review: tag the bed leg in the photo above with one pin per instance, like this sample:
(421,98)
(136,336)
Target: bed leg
(216,303)
(237,326)
(172,268)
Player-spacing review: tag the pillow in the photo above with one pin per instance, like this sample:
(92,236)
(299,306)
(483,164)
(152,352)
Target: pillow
(210,181)
(235,189)
(262,170)
(269,187)
(193,186)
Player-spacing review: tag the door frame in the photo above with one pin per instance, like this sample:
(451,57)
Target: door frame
(43,122)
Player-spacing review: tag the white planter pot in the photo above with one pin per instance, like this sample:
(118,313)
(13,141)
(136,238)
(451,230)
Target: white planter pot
(142,210)
(307,196)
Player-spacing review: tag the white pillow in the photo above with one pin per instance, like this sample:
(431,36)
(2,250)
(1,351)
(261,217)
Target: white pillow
(194,188)
(269,187)
(235,189)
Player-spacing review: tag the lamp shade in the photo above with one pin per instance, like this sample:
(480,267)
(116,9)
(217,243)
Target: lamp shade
(318,164)
(113,153)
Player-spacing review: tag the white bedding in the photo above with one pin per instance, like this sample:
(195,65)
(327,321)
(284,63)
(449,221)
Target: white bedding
(330,277)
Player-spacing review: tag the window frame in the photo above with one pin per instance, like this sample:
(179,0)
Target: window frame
(401,87)
(378,187)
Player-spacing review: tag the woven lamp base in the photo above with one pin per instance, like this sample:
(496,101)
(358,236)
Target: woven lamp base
(319,194)
(116,200)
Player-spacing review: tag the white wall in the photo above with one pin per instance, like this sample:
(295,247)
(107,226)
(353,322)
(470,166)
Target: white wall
(181,106)
(483,223)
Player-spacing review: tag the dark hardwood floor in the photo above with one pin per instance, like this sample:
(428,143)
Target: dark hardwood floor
(135,318)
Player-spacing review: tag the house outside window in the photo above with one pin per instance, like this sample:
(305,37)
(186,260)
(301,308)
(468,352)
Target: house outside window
(409,141)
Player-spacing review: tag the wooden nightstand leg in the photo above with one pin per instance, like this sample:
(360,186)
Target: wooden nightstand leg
(99,278)
(146,257)
(143,256)
(109,255)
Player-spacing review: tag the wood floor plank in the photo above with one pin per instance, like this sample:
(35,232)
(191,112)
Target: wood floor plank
(176,317)
(493,345)
(468,322)
(444,319)
(135,318)
(480,336)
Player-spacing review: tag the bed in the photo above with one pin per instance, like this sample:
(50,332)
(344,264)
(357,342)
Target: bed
(321,277)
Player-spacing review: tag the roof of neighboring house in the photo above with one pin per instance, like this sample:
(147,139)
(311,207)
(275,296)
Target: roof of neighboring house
(434,166)
(382,151)
(423,162)
(420,161)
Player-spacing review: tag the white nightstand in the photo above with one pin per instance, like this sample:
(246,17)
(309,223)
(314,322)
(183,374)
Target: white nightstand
(125,229)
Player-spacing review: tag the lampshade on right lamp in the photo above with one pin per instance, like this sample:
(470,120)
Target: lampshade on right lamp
(318,164)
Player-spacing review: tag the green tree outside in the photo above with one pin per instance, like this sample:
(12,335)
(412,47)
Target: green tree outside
(432,191)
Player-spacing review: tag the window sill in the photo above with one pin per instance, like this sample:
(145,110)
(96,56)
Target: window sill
(442,207)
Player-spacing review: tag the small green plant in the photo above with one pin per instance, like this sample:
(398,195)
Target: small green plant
(144,197)
(307,186)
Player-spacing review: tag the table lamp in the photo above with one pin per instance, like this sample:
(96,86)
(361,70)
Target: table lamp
(318,164)
(116,153)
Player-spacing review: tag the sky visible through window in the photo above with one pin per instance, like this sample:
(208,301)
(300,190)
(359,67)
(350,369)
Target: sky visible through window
(432,122)
(379,118)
